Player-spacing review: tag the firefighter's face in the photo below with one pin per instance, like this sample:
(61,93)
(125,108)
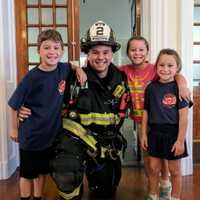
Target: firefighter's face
(100,57)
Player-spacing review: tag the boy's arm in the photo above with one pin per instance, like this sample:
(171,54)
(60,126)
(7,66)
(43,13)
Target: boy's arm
(178,147)
(184,92)
(143,137)
(80,74)
(14,125)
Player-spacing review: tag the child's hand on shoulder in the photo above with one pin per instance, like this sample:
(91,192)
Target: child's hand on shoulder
(81,76)
(184,93)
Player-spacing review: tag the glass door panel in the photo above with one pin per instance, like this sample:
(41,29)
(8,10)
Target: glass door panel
(120,16)
(61,2)
(32,2)
(46,2)
(121,22)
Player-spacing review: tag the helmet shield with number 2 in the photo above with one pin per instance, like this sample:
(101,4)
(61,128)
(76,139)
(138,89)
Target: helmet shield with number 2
(99,34)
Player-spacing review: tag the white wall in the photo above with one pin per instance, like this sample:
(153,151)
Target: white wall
(8,150)
(169,23)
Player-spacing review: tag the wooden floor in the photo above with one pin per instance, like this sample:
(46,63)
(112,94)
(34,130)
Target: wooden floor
(132,187)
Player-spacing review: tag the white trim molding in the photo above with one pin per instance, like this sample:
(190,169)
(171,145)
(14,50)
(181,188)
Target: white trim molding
(8,150)
(186,52)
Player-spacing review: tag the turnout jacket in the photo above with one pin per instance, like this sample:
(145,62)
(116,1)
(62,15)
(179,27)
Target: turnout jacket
(95,109)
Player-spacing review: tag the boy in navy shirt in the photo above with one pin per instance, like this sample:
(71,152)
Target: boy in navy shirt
(41,91)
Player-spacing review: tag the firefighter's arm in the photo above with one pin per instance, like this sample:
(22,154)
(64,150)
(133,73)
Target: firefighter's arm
(14,125)
(80,74)
(184,92)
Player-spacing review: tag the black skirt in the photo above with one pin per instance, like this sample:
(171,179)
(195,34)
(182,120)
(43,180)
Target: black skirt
(161,139)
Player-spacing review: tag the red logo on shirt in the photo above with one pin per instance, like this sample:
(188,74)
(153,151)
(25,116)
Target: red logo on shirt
(61,87)
(169,100)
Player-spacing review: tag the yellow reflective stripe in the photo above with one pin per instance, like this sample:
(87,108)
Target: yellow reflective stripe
(103,151)
(70,195)
(119,90)
(78,130)
(99,119)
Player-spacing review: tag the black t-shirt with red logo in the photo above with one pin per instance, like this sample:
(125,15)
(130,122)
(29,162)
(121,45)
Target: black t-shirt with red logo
(162,103)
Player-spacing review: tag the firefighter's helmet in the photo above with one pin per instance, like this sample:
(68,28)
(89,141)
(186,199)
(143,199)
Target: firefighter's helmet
(99,34)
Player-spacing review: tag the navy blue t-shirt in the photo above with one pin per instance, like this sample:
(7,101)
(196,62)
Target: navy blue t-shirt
(162,103)
(43,93)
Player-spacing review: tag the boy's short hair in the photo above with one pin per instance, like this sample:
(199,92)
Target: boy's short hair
(49,34)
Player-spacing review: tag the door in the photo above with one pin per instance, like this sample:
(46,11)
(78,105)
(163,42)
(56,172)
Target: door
(33,16)
(196,82)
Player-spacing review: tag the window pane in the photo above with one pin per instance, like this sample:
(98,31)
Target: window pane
(196,1)
(196,52)
(46,2)
(63,32)
(61,16)
(32,35)
(33,16)
(62,2)
(33,55)
(46,28)
(65,56)
(32,2)
(197,14)
(195,83)
(196,33)
(47,17)
(196,71)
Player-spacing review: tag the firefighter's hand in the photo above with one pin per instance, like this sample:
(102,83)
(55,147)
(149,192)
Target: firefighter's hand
(23,113)
(184,93)
(14,135)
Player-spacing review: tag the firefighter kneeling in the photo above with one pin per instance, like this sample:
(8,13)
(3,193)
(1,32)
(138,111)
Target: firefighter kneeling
(90,141)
